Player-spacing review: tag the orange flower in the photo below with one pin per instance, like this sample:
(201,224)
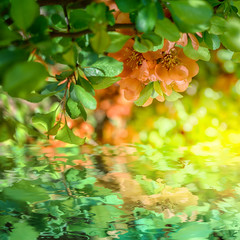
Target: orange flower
(183,41)
(168,65)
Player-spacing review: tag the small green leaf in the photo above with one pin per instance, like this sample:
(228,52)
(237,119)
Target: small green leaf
(218,25)
(167,29)
(103,82)
(109,66)
(63,75)
(157,88)
(127,6)
(79,19)
(86,85)
(141,45)
(7,36)
(100,41)
(231,37)
(23,78)
(24,12)
(47,120)
(54,129)
(79,94)
(73,109)
(155,39)
(66,135)
(173,97)
(145,95)
(146,18)
(212,41)
(202,52)
(117,41)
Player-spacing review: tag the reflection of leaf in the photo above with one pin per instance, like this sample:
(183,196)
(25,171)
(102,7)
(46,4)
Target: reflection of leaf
(22,230)
(66,135)
(194,230)
(26,191)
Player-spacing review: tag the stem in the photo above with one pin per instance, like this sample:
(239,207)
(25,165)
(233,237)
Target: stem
(79,34)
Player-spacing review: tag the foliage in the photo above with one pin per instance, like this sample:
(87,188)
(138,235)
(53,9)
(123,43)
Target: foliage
(69,43)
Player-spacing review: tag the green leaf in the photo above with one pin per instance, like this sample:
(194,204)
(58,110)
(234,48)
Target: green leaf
(66,135)
(79,19)
(145,95)
(109,66)
(139,45)
(157,88)
(54,129)
(23,78)
(173,97)
(236,57)
(70,57)
(73,109)
(146,18)
(218,25)
(24,12)
(193,230)
(202,52)
(22,230)
(155,39)
(117,41)
(167,29)
(87,86)
(191,16)
(47,120)
(26,191)
(127,6)
(7,36)
(79,94)
(103,82)
(231,37)
(63,75)
(212,41)
(100,41)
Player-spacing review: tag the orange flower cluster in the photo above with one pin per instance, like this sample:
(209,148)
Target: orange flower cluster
(168,65)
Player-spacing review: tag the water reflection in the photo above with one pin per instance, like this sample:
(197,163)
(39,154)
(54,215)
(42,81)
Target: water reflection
(128,192)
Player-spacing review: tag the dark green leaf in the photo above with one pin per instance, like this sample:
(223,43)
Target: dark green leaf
(63,75)
(87,86)
(86,59)
(54,129)
(145,95)
(79,19)
(24,12)
(23,78)
(117,41)
(142,45)
(212,41)
(127,6)
(167,29)
(79,94)
(66,135)
(146,18)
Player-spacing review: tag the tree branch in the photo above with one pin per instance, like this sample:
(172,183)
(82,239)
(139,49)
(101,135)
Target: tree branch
(79,34)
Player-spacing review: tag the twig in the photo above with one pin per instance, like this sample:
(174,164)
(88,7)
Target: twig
(79,34)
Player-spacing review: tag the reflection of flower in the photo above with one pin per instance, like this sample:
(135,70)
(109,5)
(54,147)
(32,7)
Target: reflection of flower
(168,65)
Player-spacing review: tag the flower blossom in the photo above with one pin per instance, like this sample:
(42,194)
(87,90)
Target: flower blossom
(168,65)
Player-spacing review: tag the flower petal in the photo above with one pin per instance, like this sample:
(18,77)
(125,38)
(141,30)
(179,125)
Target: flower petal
(179,72)
(180,86)
(163,74)
(167,89)
(194,40)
